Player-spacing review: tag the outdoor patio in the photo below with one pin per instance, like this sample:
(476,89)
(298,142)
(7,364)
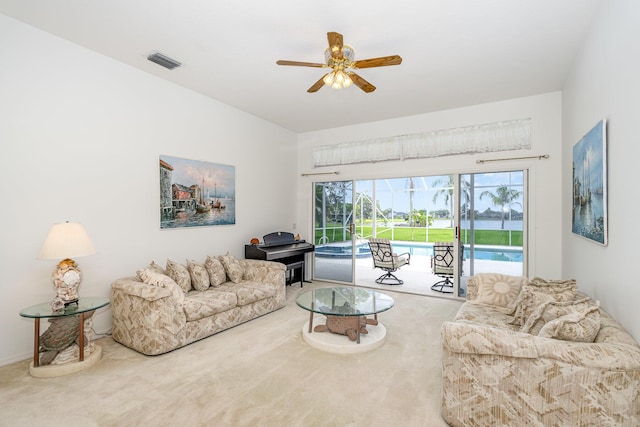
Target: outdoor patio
(417,276)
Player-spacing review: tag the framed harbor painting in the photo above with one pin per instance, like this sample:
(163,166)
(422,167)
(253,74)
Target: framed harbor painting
(589,213)
(195,193)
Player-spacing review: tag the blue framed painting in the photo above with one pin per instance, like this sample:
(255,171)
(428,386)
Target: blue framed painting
(589,213)
(195,193)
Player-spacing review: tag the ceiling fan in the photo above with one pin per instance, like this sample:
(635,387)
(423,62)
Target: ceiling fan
(339,57)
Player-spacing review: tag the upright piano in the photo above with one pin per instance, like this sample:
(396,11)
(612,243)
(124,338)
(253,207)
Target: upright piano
(281,246)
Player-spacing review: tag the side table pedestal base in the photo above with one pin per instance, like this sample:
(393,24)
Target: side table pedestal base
(50,371)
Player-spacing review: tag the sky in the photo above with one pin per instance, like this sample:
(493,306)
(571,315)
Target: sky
(396,191)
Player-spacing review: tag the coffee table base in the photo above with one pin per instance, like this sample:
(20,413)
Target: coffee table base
(341,344)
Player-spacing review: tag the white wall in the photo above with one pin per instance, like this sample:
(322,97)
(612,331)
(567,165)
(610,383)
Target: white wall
(544,186)
(80,136)
(604,83)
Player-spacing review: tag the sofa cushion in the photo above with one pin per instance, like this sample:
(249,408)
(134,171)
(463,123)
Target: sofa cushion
(200,304)
(199,275)
(552,310)
(215,269)
(232,267)
(151,277)
(579,326)
(179,274)
(539,291)
(155,267)
(249,292)
(498,290)
(484,315)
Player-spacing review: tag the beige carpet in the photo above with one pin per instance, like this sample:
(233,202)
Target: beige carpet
(260,373)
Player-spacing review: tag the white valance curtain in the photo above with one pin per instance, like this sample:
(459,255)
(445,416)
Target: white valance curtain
(500,136)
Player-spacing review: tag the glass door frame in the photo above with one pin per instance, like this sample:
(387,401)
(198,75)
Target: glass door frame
(471,230)
(347,227)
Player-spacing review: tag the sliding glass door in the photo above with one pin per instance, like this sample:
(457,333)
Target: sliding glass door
(333,226)
(493,222)
(478,220)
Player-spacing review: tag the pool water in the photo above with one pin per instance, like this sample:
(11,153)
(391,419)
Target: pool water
(419,249)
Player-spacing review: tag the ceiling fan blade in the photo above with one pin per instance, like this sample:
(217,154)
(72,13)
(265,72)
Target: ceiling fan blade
(301,64)
(361,83)
(378,62)
(335,44)
(317,85)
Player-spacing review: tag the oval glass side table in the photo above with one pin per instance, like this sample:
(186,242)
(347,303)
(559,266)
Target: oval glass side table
(84,309)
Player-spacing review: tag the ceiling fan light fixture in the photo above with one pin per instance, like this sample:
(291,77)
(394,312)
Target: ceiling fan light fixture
(339,58)
(347,54)
(347,81)
(337,79)
(329,78)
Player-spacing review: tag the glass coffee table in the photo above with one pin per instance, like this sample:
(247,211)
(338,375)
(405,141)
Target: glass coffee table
(345,310)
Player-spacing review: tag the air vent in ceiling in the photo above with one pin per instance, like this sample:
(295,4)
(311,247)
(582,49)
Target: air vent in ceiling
(165,61)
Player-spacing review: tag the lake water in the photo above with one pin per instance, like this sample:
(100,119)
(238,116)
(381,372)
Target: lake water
(480,224)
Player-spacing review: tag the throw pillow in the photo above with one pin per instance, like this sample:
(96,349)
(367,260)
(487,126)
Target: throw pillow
(556,284)
(498,290)
(151,277)
(579,326)
(232,267)
(217,274)
(179,274)
(552,310)
(199,276)
(155,267)
(539,291)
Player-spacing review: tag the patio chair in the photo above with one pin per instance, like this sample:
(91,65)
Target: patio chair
(442,266)
(385,259)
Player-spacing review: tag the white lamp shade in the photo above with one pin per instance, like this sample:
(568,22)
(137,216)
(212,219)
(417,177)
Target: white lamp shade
(66,240)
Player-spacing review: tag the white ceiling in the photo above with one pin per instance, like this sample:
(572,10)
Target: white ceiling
(455,52)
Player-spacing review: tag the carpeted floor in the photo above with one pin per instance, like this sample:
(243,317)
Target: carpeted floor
(260,373)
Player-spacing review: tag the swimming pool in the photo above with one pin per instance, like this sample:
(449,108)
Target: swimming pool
(343,250)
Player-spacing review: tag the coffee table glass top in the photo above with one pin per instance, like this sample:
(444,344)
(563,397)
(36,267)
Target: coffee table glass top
(83,305)
(344,301)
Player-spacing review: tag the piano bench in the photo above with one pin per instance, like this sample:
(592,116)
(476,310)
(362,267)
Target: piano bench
(290,270)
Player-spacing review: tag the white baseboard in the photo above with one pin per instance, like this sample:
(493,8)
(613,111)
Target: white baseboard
(16,358)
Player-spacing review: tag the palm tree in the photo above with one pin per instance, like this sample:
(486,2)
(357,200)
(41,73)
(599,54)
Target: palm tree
(504,196)
(446,192)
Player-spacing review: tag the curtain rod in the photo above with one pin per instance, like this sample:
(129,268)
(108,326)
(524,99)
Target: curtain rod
(320,173)
(543,156)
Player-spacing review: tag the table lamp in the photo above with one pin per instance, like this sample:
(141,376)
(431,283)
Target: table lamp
(66,240)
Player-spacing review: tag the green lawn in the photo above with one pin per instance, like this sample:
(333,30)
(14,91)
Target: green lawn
(415,234)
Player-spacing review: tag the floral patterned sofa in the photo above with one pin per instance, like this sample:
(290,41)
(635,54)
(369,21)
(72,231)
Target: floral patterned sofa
(537,353)
(164,309)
